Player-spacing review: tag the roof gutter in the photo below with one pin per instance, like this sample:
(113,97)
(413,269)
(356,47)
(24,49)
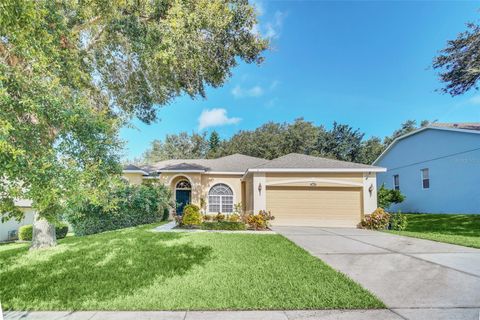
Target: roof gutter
(377,169)
(135,171)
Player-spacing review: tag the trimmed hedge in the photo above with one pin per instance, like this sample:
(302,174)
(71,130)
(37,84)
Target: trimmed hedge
(135,205)
(25,233)
(223,225)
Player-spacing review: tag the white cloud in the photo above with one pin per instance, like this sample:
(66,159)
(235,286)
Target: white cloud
(255,91)
(215,117)
(272,28)
(474,100)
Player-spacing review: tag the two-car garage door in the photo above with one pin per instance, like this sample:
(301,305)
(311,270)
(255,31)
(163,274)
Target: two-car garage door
(315,206)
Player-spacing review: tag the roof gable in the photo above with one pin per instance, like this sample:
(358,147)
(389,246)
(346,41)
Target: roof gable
(472,128)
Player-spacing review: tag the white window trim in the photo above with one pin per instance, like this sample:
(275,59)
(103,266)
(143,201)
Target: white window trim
(221,206)
(394,185)
(421,178)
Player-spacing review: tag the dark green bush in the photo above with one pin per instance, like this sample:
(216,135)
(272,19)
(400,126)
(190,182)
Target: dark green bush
(61,229)
(25,233)
(223,225)
(134,205)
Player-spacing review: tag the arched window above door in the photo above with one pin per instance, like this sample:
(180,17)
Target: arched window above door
(183,185)
(220,198)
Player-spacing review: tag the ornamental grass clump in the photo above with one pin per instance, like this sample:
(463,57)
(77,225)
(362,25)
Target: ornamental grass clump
(377,220)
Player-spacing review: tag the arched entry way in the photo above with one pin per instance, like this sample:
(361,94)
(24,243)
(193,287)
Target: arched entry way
(183,195)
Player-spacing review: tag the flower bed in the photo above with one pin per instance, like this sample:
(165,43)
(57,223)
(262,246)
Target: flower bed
(193,219)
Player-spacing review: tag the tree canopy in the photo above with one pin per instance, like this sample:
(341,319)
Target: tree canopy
(459,62)
(73,72)
(273,140)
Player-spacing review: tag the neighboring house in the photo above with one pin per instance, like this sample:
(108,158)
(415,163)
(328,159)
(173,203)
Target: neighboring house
(298,189)
(9,229)
(437,168)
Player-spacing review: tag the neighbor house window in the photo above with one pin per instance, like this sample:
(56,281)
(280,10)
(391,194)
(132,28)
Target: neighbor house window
(396,182)
(425,179)
(220,199)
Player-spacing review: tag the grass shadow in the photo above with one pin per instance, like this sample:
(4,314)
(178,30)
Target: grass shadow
(452,224)
(94,268)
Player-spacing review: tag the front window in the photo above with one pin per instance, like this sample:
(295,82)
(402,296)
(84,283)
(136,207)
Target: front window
(220,199)
(396,182)
(425,179)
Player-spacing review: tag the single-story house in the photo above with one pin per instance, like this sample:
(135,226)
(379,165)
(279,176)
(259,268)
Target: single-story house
(298,189)
(437,168)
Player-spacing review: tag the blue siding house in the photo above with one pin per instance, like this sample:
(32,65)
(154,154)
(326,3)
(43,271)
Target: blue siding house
(437,168)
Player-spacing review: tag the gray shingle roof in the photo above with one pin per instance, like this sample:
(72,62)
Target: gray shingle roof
(185,166)
(240,163)
(131,167)
(457,125)
(302,161)
(233,163)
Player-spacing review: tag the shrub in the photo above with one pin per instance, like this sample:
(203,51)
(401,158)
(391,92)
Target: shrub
(233,217)
(25,233)
(398,221)
(191,215)
(219,217)
(377,220)
(223,225)
(259,221)
(207,217)
(388,196)
(61,230)
(132,205)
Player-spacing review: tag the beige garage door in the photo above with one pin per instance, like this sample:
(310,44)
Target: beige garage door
(303,206)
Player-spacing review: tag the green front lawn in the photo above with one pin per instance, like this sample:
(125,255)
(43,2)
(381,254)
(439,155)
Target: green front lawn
(136,269)
(461,229)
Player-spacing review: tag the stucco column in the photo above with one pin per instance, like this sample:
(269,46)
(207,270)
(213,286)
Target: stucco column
(369,192)
(259,196)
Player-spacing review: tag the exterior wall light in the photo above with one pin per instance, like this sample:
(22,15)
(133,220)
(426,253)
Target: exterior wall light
(260,188)
(370,189)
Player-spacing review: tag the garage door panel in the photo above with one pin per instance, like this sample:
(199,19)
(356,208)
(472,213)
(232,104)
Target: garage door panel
(311,206)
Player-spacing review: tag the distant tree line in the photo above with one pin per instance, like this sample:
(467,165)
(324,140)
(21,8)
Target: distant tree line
(273,140)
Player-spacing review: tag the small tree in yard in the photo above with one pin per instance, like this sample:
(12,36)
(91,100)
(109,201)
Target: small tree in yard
(386,197)
(73,72)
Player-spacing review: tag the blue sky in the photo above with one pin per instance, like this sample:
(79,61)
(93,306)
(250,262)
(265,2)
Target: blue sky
(366,64)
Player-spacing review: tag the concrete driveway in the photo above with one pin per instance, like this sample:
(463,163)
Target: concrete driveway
(415,278)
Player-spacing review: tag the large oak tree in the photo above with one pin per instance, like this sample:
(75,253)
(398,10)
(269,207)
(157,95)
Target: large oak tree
(72,72)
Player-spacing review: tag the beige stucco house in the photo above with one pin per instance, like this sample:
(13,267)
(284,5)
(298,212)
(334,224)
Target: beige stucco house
(298,189)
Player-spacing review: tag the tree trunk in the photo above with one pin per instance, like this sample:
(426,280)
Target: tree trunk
(43,235)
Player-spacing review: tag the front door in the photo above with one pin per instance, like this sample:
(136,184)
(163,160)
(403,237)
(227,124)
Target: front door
(182,198)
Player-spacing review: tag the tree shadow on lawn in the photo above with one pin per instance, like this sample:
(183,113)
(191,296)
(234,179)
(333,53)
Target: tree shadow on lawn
(95,268)
(462,225)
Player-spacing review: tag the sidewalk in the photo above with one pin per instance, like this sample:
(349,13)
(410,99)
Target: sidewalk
(208,315)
